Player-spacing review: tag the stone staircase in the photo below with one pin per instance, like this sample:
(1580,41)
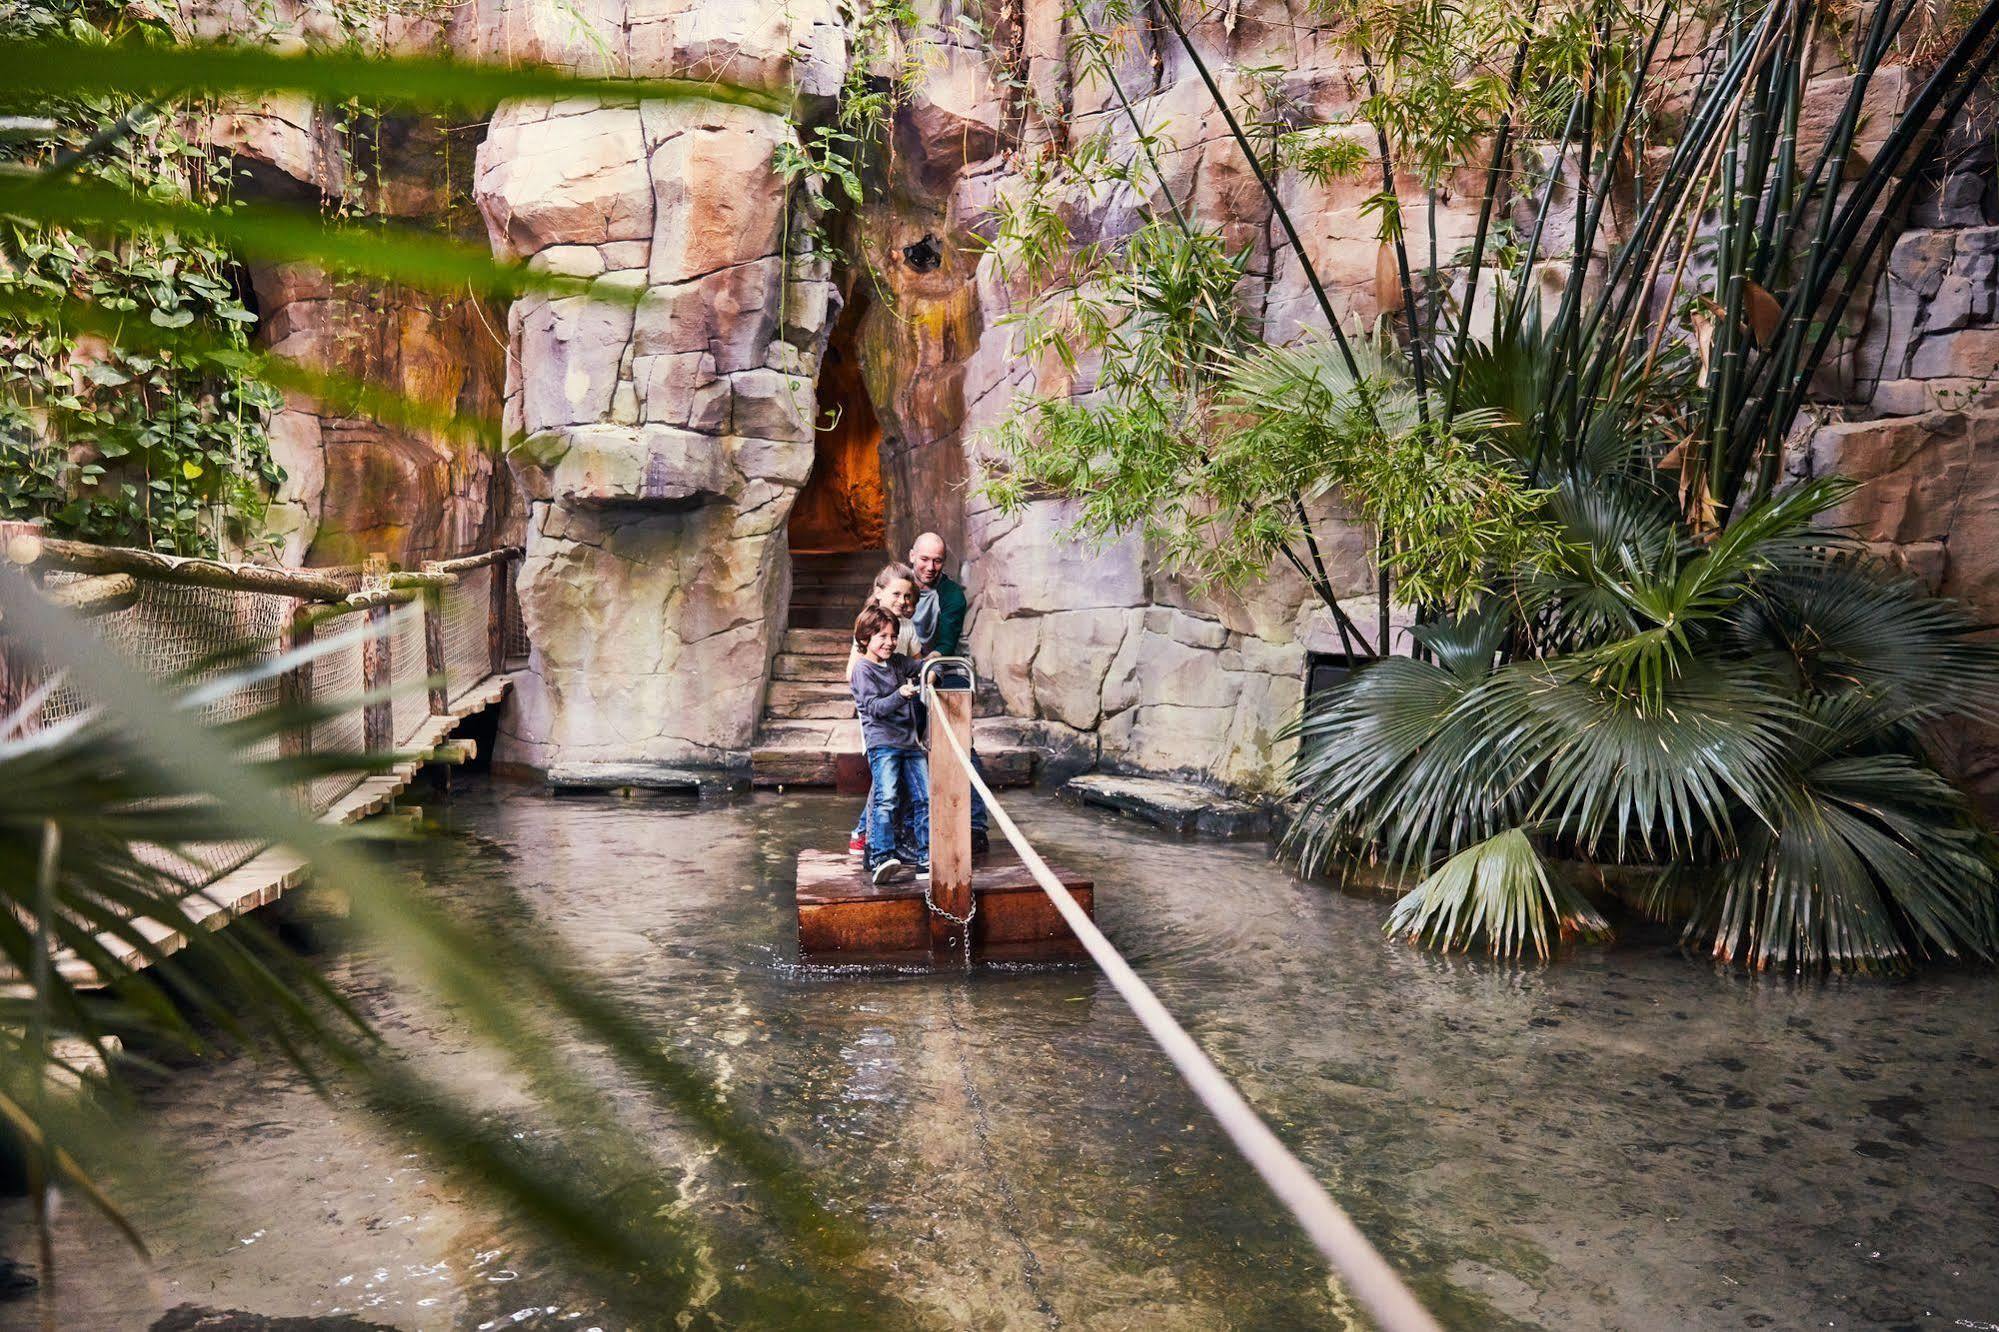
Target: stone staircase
(808,735)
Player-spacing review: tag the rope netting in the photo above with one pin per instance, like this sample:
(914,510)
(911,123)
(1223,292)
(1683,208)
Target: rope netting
(410,703)
(196,635)
(336,682)
(516,627)
(468,606)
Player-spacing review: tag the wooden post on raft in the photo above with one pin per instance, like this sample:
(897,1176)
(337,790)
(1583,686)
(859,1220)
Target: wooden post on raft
(950,808)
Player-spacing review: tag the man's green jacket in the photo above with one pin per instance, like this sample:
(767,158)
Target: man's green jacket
(949,641)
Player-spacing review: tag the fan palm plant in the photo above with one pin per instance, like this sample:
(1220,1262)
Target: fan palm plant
(1755,711)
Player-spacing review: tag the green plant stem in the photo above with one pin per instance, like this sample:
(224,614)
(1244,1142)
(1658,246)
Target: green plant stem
(1263,180)
(1409,316)
(1494,174)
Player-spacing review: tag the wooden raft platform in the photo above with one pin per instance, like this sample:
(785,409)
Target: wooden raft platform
(842,916)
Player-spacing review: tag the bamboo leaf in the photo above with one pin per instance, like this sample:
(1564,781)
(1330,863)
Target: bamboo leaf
(31,71)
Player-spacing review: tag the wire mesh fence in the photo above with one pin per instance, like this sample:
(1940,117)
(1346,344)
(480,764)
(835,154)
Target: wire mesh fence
(516,632)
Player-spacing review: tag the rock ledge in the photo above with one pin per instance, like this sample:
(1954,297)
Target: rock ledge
(1179,807)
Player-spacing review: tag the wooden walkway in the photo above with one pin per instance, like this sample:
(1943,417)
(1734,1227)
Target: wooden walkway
(376,661)
(271,873)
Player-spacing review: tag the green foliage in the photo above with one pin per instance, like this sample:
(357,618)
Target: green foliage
(1497,890)
(120,263)
(1449,508)
(838,157)
(104,439)
(1757,717)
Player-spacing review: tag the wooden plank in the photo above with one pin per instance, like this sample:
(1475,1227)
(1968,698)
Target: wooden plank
(467,562)
(268,875)
(98,594)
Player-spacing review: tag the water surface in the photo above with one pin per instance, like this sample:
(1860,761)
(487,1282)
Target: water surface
(1625,1140)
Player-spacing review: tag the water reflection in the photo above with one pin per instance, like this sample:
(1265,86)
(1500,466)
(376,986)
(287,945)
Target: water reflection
(1625,1140)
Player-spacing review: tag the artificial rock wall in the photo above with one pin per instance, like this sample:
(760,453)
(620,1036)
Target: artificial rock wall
(665,430)
(355,483)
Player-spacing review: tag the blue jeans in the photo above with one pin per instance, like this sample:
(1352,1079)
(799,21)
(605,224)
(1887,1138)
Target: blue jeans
(978,803)
(898,807)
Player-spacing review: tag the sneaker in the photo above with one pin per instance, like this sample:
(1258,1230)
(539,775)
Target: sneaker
(857,845)
(922,871)
(981,844)
(890,870)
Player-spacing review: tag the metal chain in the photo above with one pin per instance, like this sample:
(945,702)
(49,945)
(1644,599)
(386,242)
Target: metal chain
(964,920)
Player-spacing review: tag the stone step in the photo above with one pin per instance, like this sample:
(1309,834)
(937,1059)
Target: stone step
(848,603)
(818,668)
(823,753)
(835,578)
(818,642)
(788,699)
(845,561)
(816,687)
(840,617)
(1178,807)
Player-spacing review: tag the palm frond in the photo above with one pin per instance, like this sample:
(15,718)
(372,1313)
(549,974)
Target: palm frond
(1870,862)
(134,771)
(1497,891)
(1837,622)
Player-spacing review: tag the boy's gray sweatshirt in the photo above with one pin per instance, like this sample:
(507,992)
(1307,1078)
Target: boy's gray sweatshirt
(888,720)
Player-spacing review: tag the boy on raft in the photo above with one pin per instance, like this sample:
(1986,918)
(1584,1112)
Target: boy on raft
(893,731)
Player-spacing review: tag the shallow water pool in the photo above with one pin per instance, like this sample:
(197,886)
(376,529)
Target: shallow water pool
(1625,1140)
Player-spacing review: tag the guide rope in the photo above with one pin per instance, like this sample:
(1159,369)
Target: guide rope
(1359,1264)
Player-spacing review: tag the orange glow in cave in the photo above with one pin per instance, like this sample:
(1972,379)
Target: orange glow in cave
(842,505)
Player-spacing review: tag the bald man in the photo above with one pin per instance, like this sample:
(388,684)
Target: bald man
(939,620)
(940,599)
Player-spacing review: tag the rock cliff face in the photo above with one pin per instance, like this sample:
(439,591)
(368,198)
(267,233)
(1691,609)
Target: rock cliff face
(665,432)
(356,484)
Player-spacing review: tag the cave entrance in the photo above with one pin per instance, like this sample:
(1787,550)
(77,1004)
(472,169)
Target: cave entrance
(842,508)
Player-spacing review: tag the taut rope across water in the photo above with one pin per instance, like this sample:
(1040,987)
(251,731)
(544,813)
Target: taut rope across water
(1367,1274)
